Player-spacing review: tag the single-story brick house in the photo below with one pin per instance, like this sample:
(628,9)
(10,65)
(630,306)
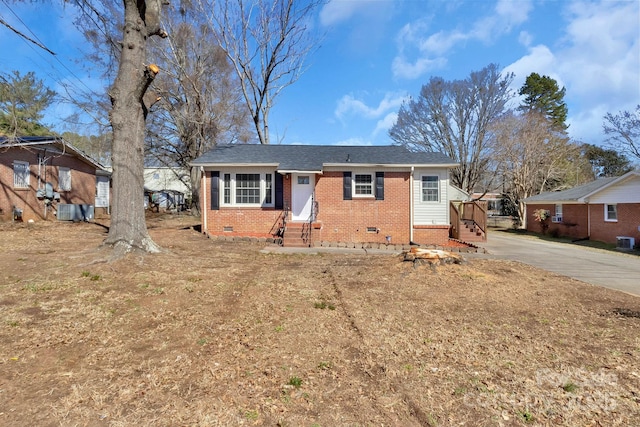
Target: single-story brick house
(44,177)
(602,210)
(311,195)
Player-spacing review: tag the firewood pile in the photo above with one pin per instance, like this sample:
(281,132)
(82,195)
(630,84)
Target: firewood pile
(433,257)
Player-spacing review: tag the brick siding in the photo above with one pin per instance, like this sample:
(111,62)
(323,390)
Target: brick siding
(575,221)
(83,184)
(337,220)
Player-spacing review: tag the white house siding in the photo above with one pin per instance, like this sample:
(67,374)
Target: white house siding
(627,191)
(431,213)
(164,178)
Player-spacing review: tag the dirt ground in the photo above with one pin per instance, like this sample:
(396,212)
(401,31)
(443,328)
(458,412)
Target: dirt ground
(212,333)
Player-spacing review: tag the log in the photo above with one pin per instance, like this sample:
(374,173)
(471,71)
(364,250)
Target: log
(433,256)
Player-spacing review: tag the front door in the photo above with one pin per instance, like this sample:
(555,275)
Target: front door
(302,194)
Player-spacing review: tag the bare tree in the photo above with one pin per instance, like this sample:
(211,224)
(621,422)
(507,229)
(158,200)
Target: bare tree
(624,131)
(200,104)
(266,41)
(130,105)
(453,117)
(531,157)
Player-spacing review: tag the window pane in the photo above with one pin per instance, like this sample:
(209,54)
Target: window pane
(268,187)
(612,212)
(430,189)
(248,188)
(227,188)
(64,178)
(21,174)
(363,184)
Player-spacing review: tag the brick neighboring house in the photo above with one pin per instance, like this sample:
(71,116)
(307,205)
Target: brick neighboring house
(40,175)
(311,195)
(602,210)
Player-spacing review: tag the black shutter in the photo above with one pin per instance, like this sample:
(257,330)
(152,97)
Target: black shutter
(346,186)
(215,190)
(279,191)
(379,185)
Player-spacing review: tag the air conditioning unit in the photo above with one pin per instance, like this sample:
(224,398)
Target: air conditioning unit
(625,242)
(557,218)
(68,212)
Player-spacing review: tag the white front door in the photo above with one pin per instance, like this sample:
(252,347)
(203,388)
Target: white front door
(301,199)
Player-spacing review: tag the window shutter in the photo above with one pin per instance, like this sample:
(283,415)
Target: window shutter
(279,192)
(215,190)
(346,186)
(379,185)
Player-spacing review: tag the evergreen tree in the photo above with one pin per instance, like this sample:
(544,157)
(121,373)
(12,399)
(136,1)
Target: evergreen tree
(542,95)
(23,100)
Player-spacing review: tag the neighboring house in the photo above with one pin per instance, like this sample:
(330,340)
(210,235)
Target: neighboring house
(165,187)
(46,177)
(312,195)
(603,210)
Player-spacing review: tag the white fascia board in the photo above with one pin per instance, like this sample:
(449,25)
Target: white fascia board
(377,165)
(232,165)
(284,172)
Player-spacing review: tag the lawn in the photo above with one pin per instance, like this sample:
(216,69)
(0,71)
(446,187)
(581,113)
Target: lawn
(213,333)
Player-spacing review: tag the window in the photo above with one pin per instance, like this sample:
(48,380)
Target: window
(430,189)
(64,179)
(303,180)
(611,213)
(247,188)
(227,188)
(268,198)
(558,215)
(21,174)
(363,185)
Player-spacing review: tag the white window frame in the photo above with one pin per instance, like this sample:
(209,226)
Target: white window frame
(64,179)
(606,212)
(356,185)
(558,214)
(423,188)
(21,174)
(229,194)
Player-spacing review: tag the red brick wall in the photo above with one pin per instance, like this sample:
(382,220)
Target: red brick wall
(431,234)
(576,223)
(347,220)
(83,184)
(627,224)
(338,220)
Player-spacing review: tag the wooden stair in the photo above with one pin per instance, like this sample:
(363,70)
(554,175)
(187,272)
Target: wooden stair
(296,235)
(471,233)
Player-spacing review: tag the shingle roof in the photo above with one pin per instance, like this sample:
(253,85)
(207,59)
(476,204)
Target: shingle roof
(43,141)
(573,194)
(314,157)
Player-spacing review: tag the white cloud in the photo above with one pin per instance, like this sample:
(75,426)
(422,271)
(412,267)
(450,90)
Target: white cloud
(429,50)
(348,105)
(354,141)
(385,123)
(336,11)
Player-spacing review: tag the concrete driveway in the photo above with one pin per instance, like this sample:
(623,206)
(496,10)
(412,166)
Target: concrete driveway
(613,270)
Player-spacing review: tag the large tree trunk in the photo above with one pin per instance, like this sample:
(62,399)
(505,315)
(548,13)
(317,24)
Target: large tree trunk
(128,229)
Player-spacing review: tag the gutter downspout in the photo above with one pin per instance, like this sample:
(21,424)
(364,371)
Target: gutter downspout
(412,206)
(588,220)
(203,185)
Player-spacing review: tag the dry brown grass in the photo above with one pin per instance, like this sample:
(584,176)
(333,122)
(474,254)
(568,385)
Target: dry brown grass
(219,334)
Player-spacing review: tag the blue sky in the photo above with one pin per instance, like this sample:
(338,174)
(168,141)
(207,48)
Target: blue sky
(375,53)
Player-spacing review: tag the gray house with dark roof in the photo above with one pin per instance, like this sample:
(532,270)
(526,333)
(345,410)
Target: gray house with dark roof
(311,195)
(607,210)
